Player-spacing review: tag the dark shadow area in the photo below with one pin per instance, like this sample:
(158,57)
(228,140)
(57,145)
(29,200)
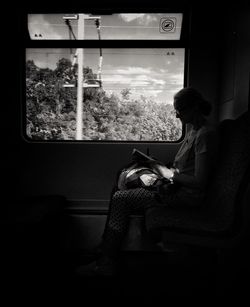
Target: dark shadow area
(142,276)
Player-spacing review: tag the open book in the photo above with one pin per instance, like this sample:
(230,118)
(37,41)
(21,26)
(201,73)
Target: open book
(154,164)
(139,156)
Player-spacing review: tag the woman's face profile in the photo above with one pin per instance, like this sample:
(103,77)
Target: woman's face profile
(182,111)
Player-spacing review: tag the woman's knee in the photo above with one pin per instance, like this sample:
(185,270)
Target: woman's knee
(119,196)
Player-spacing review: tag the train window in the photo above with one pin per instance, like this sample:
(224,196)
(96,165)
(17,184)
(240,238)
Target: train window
(105,90)
(114,26)
(131,99)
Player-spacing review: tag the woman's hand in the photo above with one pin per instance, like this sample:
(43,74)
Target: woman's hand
(164,171)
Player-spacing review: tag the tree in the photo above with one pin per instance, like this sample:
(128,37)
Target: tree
(51,109)
(126,93)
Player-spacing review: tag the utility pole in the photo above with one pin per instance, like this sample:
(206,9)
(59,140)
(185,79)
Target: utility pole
(80,81)
(80,91)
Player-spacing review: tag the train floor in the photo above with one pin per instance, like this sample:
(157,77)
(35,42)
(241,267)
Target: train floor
(144,277)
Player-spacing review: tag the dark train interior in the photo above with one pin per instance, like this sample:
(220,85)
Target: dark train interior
(55,192)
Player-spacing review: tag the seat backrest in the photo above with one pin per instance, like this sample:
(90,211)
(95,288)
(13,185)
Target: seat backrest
(233,163)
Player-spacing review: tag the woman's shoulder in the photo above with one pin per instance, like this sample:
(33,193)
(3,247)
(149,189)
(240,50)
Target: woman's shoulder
(206,130)
(207,134)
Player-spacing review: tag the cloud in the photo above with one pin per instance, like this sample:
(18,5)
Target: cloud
(134,77)
(157,84)
(130,17)
(39,28)
(149,19)
(134,70)
(140,83)
(163,71)
(153,93)
(175,78)
(142,19)
(158,81)
(116,78)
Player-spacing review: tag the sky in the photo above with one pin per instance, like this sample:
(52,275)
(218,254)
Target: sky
(116,26)
(154,73)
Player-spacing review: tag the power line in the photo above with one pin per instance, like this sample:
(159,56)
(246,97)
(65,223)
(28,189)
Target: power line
(136,73)
(106,88)
(91,26)
(134,88)
(107,53)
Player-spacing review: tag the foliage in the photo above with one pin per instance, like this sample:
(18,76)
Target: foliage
(51,109)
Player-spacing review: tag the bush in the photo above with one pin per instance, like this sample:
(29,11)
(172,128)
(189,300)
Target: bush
(51,110)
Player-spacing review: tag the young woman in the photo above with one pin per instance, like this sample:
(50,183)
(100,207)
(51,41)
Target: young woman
(190,173)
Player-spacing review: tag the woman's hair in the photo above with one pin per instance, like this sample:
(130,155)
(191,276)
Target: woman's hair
(189,97)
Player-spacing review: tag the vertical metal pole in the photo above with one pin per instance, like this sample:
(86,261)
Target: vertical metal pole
(79,109)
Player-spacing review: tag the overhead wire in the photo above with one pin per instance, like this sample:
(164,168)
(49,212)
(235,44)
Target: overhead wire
(67,21)
(91,26)
(112,53)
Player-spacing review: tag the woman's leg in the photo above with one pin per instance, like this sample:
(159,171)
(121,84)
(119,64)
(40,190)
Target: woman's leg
(122,204)
(113,191)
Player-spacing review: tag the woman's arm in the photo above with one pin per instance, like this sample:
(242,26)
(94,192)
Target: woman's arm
(164,171)
(199,180)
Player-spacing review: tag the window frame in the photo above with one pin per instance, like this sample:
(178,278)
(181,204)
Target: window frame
(183,42)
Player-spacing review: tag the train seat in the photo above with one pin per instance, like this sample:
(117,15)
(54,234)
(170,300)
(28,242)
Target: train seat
(223,218)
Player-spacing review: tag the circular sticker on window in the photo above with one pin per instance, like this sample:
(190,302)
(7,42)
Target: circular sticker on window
(168,25)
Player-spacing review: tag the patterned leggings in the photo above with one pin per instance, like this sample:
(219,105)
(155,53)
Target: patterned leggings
(122,204)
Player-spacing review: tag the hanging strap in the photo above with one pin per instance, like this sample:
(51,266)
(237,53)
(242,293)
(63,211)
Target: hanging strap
(98,27)
(67,21)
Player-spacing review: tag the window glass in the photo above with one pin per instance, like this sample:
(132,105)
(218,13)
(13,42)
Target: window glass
(162,26)
(129,97)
